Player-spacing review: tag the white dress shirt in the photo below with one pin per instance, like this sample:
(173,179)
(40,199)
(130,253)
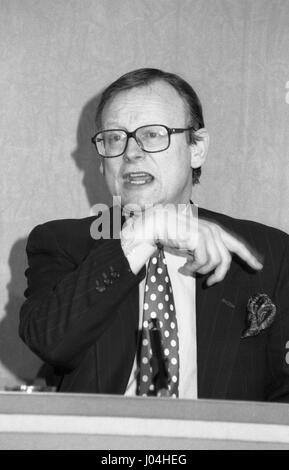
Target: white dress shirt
(184,291)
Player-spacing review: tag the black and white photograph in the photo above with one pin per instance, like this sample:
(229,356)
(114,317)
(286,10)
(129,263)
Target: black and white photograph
(144,215)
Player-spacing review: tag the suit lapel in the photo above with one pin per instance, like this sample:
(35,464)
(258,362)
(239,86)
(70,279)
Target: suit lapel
(220,321)
(117,347)
(127,331)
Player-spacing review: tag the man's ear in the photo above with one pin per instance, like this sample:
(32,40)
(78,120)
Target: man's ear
(200,149)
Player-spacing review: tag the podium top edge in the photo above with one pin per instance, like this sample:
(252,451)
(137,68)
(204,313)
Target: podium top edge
(71,404)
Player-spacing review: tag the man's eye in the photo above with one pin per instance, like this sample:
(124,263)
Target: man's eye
(151,135)
(113,138)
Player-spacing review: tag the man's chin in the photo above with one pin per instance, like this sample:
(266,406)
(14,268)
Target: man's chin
(136,207)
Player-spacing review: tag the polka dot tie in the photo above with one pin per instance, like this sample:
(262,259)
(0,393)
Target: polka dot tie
(159,309)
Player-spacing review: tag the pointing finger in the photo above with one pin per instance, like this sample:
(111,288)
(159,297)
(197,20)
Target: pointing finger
(240,249)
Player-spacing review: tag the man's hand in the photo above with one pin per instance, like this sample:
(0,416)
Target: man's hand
(209,247)
(214,251)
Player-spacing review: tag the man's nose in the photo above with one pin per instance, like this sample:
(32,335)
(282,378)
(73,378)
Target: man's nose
(133,150)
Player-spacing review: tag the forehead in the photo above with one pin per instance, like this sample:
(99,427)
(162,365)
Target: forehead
(156,103)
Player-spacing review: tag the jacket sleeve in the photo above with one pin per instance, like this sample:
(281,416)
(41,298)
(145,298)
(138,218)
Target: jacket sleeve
(69,306)
(278,340)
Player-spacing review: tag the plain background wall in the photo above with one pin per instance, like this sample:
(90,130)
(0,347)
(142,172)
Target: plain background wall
(57,55)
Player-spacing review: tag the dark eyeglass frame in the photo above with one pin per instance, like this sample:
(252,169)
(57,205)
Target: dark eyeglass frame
(170,131)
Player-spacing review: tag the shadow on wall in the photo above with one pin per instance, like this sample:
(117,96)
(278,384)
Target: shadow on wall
(14,354)
(86,158)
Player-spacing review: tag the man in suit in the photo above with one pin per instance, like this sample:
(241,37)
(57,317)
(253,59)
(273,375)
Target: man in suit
(86,296)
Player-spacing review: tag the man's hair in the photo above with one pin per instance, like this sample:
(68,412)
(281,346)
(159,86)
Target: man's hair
(147,76)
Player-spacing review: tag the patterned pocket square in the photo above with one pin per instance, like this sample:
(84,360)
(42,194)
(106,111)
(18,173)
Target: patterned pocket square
(261,313)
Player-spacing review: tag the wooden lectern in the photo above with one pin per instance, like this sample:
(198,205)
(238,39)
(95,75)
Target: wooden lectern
(72,421)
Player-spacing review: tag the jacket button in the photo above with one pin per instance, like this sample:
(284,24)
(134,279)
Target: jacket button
(106,280)
(113,274)
(99,287)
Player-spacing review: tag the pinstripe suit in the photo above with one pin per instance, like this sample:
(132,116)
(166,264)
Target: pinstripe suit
(81,313)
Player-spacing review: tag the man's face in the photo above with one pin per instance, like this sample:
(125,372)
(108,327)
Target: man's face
(145,178)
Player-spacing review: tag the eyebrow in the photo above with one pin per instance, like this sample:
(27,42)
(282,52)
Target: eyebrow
(113,125)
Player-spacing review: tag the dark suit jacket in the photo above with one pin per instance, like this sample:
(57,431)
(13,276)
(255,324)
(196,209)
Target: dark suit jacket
(81,313)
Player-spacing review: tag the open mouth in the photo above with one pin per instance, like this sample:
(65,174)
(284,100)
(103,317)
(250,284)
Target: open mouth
(138,178)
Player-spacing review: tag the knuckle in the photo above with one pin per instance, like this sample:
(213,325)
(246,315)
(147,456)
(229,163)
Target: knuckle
(214,230)
(205,230)
(215,258)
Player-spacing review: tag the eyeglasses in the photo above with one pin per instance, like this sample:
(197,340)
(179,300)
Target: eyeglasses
(153,138)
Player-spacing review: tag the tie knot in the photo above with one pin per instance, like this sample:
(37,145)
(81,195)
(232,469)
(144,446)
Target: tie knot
(160,247)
